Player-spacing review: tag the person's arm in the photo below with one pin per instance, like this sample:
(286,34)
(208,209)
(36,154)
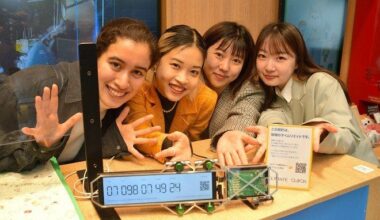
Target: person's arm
(48,130)
(48,137)
(176,147)
(173,146)
(243,112)
(18,156)
(334,121)
(138,106)
(332,116)
(272,116)
(331,107)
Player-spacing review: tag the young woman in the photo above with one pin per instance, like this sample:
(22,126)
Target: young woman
(228,71)
(125,50)
(297,91)
(177,97)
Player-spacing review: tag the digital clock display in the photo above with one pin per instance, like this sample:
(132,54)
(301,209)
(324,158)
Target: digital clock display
(157,188)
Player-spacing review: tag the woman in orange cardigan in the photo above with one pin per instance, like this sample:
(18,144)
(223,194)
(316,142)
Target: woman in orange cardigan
(177,97)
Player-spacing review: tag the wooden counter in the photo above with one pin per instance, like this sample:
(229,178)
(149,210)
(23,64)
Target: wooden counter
(332,177)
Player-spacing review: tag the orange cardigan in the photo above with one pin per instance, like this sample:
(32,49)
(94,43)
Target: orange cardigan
(191,117)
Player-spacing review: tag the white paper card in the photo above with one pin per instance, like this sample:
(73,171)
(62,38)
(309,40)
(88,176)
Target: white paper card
(290,154)
(363,169)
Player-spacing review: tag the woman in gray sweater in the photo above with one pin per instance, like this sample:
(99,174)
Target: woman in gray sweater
(228,71)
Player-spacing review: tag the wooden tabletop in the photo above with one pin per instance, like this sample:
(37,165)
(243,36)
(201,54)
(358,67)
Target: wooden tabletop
(332,175)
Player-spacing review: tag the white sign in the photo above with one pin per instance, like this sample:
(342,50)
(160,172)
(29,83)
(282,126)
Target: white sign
(363,169)
(290,152)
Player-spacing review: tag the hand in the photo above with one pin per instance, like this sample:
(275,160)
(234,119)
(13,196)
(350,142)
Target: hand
(231,149)
(48,130)
(321,130)
(260,143)
(131,135)
(180,150)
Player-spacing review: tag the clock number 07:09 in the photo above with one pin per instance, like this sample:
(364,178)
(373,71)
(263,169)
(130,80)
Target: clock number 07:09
(143,189)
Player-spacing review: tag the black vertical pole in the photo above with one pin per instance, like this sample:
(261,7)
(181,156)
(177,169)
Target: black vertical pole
(90,107)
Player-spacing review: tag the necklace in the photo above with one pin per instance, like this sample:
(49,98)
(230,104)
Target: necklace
(171,109)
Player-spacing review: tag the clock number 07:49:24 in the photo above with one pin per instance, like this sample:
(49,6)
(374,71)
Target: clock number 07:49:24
(143,189)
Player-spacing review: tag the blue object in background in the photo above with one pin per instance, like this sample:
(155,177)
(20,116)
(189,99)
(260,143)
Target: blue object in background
(48,38)
(351,205)
(39,54)
(322,25)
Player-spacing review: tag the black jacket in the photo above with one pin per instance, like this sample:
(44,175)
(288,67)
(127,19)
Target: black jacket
(17,110)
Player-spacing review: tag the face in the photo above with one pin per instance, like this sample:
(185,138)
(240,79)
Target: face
(178,72)
(221,67)
(122,69)
(275,69)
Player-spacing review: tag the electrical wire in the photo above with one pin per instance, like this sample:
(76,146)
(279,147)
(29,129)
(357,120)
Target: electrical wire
(82,192)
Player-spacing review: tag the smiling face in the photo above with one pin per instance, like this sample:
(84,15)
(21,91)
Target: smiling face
(221,67)
(178,72)
(275,69)
(121,71)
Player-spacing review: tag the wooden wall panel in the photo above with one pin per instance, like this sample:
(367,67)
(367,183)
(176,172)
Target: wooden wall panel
(254,14)
(347,41)
(201,14)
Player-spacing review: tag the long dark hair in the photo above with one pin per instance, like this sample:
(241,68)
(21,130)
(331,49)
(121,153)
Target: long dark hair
(126,28)
(286,37)
(240,39)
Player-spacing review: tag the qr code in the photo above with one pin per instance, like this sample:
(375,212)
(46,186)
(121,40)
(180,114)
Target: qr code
(204,185)
(300,167)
